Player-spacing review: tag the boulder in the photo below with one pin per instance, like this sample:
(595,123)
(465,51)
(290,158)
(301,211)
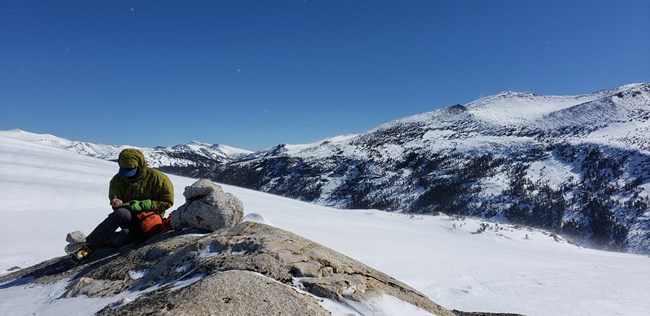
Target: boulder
(75,237)
(207,207)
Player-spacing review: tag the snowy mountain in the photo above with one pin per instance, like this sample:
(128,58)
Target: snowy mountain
(190,154)
(463,263)
(575,165)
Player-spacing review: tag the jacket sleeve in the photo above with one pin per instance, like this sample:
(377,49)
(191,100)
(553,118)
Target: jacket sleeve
(114,190)
(165,197)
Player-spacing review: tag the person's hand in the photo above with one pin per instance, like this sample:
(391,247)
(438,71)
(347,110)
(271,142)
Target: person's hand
(116,202)
(140,205)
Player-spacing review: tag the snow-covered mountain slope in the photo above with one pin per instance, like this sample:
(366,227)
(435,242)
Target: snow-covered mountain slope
(625,110)
(517,108)
(189,154)
(47,192)
(578,165)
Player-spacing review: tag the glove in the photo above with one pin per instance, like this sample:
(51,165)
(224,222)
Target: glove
(140,205)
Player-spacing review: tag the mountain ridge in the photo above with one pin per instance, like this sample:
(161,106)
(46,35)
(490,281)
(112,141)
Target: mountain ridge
(181,154)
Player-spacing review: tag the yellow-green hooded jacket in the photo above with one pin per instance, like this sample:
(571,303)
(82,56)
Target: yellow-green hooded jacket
(148,183)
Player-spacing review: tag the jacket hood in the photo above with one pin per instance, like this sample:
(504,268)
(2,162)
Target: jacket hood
(132,158)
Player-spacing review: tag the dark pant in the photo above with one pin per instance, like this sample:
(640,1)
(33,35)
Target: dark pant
(105,233)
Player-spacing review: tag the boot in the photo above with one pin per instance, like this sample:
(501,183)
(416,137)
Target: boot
(84,252)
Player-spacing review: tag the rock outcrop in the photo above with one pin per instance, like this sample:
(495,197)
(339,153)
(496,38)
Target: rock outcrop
(249,269)
(207,207)
(232,292)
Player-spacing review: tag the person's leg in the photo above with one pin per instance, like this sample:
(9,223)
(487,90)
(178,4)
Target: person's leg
(119,218)
(130,232)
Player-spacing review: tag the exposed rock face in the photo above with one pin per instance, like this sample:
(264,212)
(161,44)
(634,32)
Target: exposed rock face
(207,207)
(249,269)
(225,293)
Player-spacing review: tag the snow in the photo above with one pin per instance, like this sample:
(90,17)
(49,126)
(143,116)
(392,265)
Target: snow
(521,108)
(552,172)
(386,305)
(515,108)
(47,192)
(36,299)
(254,217)
(493,186)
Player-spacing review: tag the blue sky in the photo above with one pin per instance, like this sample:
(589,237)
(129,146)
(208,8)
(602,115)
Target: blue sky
(254,74)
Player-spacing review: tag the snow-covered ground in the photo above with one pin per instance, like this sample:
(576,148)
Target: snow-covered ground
(47,192)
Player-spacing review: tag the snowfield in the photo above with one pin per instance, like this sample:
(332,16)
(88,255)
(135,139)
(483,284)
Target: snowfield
(47,192)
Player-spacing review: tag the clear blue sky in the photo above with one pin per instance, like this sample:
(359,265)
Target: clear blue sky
(254,74)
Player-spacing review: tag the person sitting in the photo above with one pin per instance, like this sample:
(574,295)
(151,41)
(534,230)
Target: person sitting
(135,188)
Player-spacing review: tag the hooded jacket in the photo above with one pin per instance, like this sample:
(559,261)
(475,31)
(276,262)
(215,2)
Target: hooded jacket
(148,183)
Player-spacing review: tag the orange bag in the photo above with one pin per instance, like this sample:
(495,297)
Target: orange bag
(151,223)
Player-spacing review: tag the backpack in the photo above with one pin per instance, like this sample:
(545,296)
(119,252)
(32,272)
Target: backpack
(151,223)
